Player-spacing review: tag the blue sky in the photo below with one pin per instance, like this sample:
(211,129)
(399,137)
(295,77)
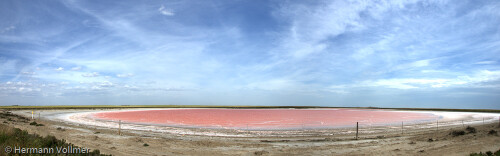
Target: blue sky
(417,53)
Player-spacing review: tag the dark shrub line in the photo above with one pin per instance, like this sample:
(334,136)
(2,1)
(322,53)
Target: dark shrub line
(16,137)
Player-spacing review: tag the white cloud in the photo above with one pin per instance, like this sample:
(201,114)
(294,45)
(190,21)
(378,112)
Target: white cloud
(20,87)
(301,49)
(431,71)
(7,29)
(28,73)
(482,76)
(421,63)
(124,75)
(93,74)
(312,26)
(60,69)
(275,84)
(165,11)
(105,84)
(423,83)
(337,90)
(130,87)
(355,43)
(380,45)
(407,83)
(413,65)
(363,53)
(486,62)
(76,68)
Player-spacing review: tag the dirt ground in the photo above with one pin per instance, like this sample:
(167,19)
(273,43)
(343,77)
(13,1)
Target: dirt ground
(423,141)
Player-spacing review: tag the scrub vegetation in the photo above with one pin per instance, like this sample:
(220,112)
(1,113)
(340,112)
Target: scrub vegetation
(488,153)
(16,137)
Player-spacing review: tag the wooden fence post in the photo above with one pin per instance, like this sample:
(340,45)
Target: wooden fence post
(437,125)
(119,127)
(357,128)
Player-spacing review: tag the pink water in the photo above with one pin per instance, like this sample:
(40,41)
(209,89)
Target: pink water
(264,118)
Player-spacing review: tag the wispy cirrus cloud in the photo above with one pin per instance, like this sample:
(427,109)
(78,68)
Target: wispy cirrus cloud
(93,74)
(125,75)
(473,80)
(165,11)
(277,53)
(7,29)
(76,68)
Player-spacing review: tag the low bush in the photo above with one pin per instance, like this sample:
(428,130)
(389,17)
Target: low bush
(488,153)
(470,129)
(33,123)
(457,133)
(145,145)
(493,132)
(14,136)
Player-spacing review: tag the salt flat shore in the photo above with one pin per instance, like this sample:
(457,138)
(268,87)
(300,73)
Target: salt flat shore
(76,127)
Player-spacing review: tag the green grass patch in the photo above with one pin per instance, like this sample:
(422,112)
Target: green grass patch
(16,137)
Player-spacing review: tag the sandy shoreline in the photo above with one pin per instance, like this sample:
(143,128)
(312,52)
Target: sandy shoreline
(446,119)
(373,140)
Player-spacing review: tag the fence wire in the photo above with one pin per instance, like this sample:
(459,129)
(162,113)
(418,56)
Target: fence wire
(296,129)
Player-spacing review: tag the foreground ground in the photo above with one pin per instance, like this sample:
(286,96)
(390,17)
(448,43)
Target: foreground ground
(428,141)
